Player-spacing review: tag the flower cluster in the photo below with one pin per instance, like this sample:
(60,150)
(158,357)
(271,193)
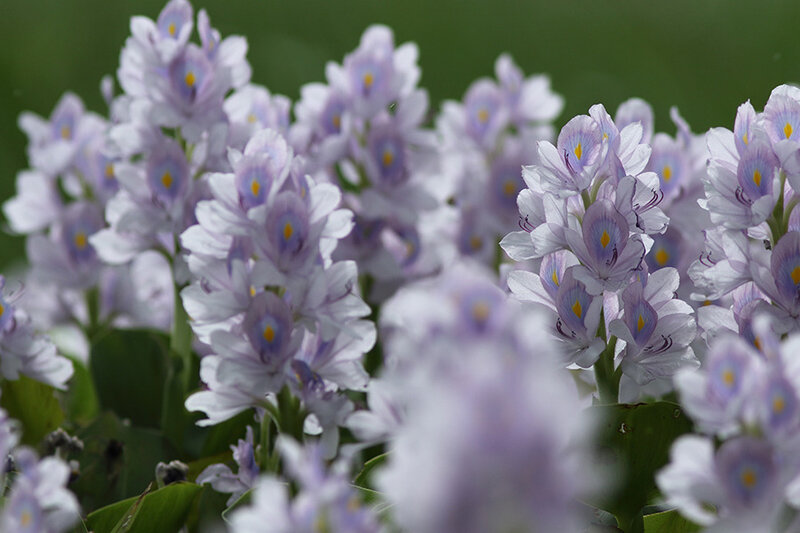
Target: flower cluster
(528,287)
(37,500)
(746,399)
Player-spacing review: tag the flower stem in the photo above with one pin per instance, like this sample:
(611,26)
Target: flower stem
(181,339)
(606,376)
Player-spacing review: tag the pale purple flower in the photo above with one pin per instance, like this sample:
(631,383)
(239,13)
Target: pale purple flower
(222,479)
(325,501)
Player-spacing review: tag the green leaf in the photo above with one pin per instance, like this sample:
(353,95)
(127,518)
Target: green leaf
(118,460)
(34,404)
(668,522)
(129,368)
(126,522)
(363,479)
(82,403)
(244,499)
(162,511)
(634,443)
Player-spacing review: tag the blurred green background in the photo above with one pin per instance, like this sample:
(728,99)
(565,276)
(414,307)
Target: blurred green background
(706,56)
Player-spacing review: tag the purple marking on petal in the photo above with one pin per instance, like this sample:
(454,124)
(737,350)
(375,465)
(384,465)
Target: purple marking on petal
(172,19)
(253,182)
(667,250)
(506,181)
(167,172)
(726,372)
(605,233)
(578,142)
(640,317)
(331,116)
(482,105)
(780,399)
(747,469)
(268,326)
(189,74)
(288,223)
(756,169)
(785,268)
(388,150)
(551,271)
(668,161)
(81,222)
(572,303)
(782,118)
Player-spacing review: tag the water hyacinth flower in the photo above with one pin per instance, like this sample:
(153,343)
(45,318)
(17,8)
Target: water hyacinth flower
(325,500)
(476,393)
(657,329)
(38,500)
(222,479)
(24,351)
(608,254)
(736,488)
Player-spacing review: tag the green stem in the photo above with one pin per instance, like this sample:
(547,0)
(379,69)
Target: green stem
(291,414)
(180,342)
(93,310)
(606,376)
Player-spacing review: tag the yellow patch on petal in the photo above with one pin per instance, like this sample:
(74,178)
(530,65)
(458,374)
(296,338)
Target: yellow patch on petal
(25,518)
(255,187)
(787,130)
(66,133)
(778,404)
(796,275)
(749,478)
(2,309)
(80,240)
(369,79)
(172,29)
(578,151)
(480,312)
(662,256)
(640,323)
(757,178)
(475,242)
(744,138)
(483,115)
(252,291)
(109,172)
(666,172)
(269,334)
(387,158)
(728,377)
(605,136)
(251,118)
(166,180)
(189,79)
(554,277)
(706,303)
(757,343)
(509,188)
(577,309)
(288,231)
(336,121)
(605,238)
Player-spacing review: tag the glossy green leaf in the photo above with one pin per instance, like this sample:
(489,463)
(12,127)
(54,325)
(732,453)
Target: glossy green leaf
(161,511)
(668,522)
(634,443)
(35,406)
(129,368)
(118,460)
